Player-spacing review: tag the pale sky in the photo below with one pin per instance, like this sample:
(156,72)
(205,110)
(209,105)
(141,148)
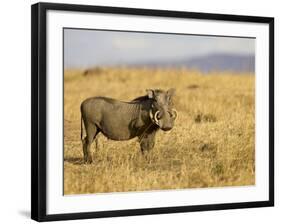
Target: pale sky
(86,48)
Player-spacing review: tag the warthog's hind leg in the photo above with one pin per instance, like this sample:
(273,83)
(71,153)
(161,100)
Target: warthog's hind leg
(92,131)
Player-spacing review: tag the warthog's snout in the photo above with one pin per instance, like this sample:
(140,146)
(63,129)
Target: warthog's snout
(165,118)
(167,128)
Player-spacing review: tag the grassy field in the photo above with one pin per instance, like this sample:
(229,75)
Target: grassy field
(211,145)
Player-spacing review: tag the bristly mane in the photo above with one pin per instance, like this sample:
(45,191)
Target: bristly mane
(145,97)
(140,98)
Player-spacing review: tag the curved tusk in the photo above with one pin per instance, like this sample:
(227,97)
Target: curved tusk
(155,117)
(174,113)
(151,115)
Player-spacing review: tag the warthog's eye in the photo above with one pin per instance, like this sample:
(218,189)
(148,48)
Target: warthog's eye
(171,114)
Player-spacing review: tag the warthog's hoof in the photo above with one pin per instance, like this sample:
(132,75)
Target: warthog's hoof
(88,160)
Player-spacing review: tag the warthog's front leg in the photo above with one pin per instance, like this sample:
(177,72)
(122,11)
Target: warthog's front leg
(147,142)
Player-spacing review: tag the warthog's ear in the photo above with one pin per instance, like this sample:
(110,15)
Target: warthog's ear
(171,92)
(150,93)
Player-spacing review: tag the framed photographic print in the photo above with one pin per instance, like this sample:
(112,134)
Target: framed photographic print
(139,111)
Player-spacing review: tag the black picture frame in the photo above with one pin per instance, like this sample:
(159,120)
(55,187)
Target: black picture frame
(39,122)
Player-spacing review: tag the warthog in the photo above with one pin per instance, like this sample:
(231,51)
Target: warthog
(117,120)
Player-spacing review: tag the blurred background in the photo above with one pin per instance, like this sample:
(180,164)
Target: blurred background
(91,48)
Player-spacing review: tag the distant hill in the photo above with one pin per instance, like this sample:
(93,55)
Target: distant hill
(212,62)
(222,62)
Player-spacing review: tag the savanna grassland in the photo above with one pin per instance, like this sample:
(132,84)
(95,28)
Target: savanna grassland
(212,143)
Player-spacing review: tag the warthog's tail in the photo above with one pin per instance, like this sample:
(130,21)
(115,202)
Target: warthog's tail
(81,127)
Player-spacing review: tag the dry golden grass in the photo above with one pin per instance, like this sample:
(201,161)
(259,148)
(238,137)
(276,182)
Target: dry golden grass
(211,144)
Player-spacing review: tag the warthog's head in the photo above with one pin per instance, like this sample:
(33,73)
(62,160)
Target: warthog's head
(162,113)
